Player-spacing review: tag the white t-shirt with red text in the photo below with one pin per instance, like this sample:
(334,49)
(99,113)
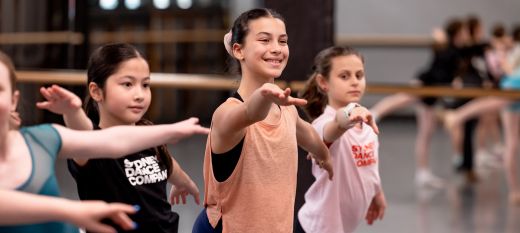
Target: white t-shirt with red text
(341,204)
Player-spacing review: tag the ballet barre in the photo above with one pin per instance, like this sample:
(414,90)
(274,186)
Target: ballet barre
(226,82)
(180,81)
(193,36)
(429,91)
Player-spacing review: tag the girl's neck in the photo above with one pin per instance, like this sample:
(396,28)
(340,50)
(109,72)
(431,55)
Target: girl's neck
(336,104)
(250,82)
(107,121)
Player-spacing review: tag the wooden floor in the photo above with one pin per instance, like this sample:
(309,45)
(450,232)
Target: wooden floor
(459,207)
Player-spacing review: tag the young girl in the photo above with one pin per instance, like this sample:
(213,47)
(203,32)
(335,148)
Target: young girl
(333,91)
(444,67)
(119,94)
(27,156)
(250,165)
(26,208)
(510,115)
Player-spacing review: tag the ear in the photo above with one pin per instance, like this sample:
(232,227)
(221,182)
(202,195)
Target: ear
(237,51)
(322,82)
(14,100)
(95,92)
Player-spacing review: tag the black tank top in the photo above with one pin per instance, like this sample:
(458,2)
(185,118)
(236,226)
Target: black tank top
(224,164)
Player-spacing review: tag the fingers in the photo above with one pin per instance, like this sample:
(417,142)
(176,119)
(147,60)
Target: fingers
(46,93)
(331,173)
(61,92)
(297,101)
(381,214)
(183,197)
(197,198)
(370,217)
(202,130)
(372,124)
(120,217)
(43,105)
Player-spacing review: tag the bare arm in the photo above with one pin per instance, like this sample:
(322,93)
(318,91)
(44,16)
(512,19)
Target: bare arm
(119,141)
(26,208)
(345,120)
(310,141)
(182,185)
(231,119)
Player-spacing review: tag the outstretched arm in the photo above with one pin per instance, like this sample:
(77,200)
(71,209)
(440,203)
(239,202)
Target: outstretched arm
(118,141)
(26,208)
(310,141)
(346,118)
(231,119)
(61,101)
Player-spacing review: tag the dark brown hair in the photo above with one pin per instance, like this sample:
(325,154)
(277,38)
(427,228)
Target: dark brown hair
(474,24)
(316,98)
(452,28)
(240,29)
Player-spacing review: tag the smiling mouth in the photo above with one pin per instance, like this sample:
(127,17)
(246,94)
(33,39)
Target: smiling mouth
(274,61)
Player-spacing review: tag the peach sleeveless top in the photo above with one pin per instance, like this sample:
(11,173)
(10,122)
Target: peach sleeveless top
(259,195)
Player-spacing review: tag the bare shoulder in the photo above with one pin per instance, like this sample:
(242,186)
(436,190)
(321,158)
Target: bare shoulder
(222,112)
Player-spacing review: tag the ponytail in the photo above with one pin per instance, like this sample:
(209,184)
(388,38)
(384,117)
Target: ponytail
(316,99)
(91,109)
(162,151)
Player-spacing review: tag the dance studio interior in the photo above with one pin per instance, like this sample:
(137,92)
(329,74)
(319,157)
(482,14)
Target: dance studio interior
(437,79)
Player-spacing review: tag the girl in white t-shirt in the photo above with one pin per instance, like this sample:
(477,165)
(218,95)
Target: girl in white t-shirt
(332,92)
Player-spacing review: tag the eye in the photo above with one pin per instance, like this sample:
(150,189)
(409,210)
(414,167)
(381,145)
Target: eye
(283,42)
(126,84)
(264,40)
(146,85)
(360,75)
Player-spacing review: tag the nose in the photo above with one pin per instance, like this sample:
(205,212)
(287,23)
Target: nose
(275,47)
(139,94)
(355,82)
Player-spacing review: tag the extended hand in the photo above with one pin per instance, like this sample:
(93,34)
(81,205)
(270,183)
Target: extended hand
(187,128)
(88,214)
(59,100)
(279,96)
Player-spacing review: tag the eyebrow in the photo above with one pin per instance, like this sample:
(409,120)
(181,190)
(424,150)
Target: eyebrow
(134,78)
(269,34)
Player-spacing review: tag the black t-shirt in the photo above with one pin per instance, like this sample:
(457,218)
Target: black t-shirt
(443,68)
(136,179)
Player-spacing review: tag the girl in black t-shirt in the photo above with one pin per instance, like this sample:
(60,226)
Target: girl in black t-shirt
(119,94)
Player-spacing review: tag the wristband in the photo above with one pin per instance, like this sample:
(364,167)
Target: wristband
(348,109)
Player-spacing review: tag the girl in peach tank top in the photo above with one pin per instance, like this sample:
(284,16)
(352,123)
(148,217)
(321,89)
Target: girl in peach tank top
(250,163)
(333,91)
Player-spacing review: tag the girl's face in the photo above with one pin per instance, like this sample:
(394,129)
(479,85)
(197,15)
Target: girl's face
(346,82)
(462,37)
(7,97)
(126,96)
(265,50)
